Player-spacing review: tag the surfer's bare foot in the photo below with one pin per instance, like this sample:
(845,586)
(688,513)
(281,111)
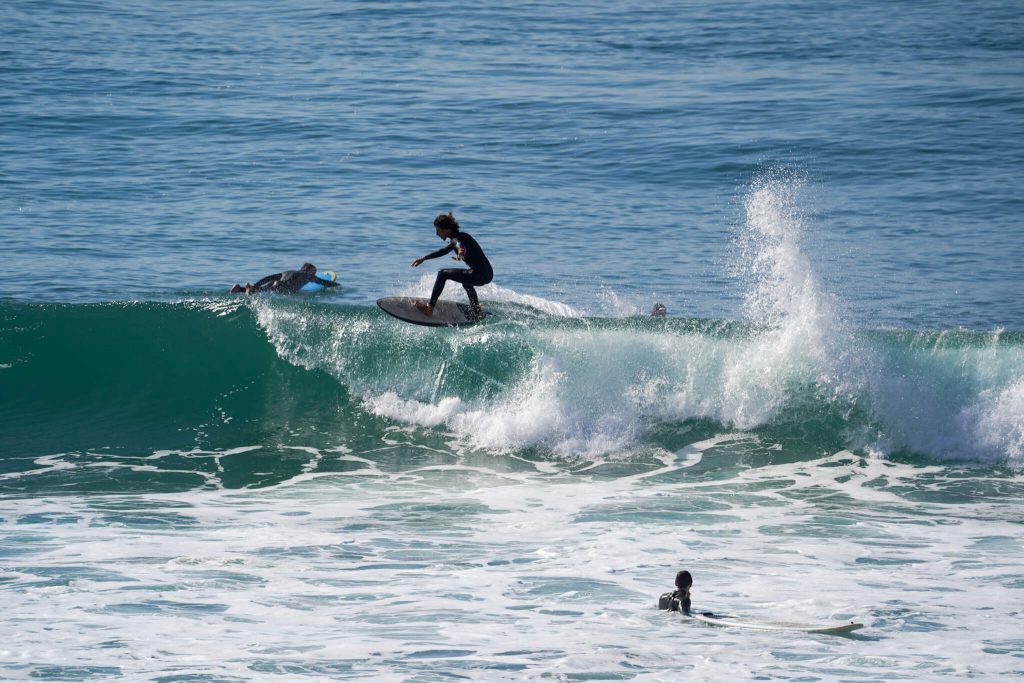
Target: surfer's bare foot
(248,288)
(425,309)
(236,289)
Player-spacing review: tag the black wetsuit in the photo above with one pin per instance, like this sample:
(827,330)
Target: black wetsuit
(289,281)
(478,274)
(675,602)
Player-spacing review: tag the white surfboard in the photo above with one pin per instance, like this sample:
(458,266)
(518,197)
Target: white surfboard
(743,622)
(446,313)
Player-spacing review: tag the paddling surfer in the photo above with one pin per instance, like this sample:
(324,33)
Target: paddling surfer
(467,250)
(679,599)
(290,281)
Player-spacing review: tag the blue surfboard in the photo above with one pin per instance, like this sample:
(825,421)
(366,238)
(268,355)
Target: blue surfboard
(316,287)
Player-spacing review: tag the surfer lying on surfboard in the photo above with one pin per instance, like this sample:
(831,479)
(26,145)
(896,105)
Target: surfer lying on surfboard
(289,281)
(466,249)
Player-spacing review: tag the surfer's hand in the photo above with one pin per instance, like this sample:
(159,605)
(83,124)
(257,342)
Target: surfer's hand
(459,254)
(417,262)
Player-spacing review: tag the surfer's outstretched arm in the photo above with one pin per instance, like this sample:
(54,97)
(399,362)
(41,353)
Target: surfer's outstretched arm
(322,282)
(434,254)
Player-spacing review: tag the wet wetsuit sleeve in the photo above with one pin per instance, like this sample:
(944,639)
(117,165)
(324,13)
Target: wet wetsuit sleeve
(324,283)
(441,252)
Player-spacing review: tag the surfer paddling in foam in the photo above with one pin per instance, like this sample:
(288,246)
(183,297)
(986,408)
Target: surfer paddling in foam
(467,250)
(679,599)
(289,281)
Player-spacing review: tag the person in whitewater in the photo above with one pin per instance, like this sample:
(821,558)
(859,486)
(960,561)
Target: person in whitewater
(679,599)
(290,281)
(467,250)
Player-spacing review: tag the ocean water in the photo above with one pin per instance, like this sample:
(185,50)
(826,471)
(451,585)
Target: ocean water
(828,426)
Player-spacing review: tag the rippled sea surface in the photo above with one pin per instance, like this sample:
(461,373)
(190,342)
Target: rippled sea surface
(828,426)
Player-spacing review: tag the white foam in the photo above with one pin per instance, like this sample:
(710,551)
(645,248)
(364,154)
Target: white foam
(47,463)
(391,405)
(491,292)
(462,568)
(555,308)
(804,335)
(527,415)
(945,400)
(999,420)
(618,305)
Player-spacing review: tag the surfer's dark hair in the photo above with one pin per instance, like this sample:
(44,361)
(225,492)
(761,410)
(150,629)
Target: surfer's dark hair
(307,268)
(446,221)
(684,580)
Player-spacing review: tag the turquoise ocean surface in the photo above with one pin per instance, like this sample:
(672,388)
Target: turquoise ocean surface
(828,425)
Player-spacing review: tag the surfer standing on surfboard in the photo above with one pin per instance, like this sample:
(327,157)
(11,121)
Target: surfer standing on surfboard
(467,250)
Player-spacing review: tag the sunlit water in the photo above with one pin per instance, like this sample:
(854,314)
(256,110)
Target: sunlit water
(827,427)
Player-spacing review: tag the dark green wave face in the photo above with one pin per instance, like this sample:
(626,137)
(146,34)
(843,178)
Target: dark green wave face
(131,380)
(221,393)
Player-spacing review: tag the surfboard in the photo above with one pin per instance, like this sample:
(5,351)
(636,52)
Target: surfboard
(315,287)
(446,313)
(791,626)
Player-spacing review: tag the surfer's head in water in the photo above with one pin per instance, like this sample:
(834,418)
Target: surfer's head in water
(308,268)
(684,581)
